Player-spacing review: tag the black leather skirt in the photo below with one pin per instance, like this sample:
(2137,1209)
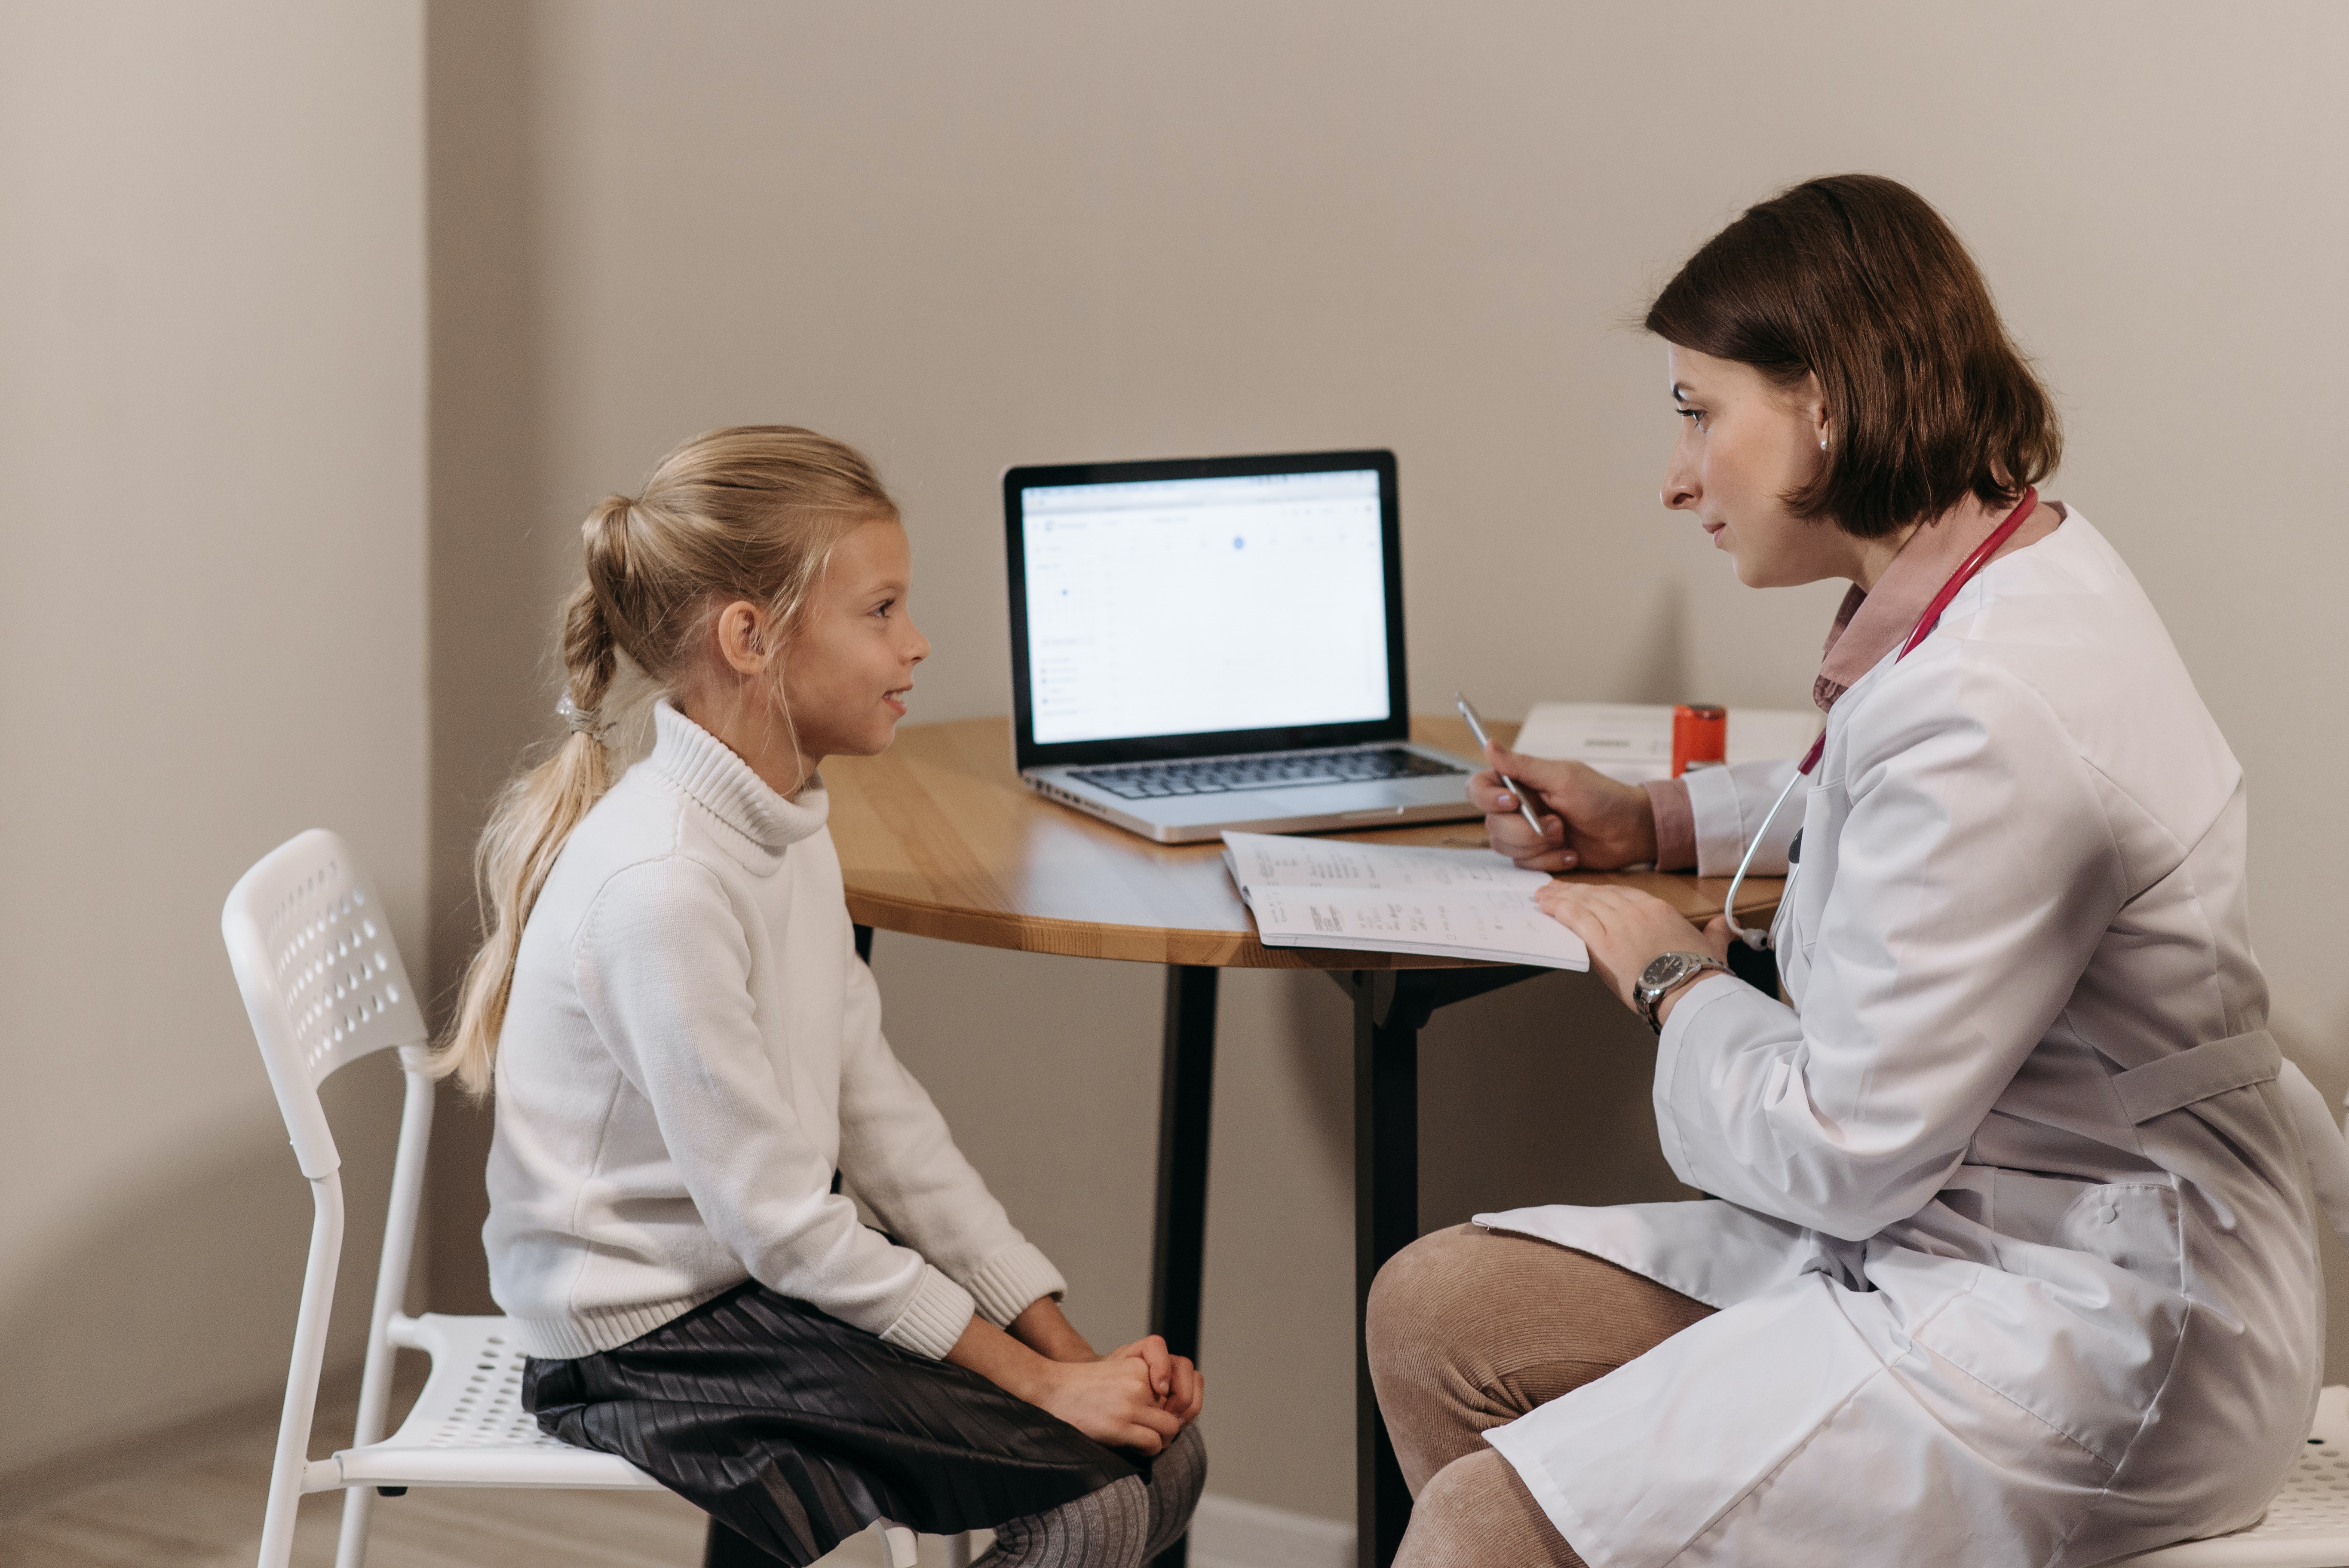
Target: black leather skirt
(796,1430)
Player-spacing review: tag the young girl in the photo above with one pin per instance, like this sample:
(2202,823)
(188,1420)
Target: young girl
(688,1057)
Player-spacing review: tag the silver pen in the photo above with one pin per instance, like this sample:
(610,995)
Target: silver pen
(1524,807)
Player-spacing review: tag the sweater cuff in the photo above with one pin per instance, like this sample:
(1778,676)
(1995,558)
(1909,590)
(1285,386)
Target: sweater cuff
(1675,823)
(1014,1280)
(934,1319)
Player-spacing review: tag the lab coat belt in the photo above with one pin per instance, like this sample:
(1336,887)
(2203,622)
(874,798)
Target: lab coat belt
(2204,1072)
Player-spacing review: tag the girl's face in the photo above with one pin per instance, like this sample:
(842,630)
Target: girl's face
(1743,444)
(850,663)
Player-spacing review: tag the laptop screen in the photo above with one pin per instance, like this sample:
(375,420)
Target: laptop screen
(1205,605)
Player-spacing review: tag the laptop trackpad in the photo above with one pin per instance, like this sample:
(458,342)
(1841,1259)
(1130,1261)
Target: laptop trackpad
(1369,799)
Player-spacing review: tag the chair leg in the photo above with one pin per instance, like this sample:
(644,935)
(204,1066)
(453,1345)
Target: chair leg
(358,1508)
(302,1378)
(391,1294)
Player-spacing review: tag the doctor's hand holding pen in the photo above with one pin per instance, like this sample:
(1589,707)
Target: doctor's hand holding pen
(1590,822)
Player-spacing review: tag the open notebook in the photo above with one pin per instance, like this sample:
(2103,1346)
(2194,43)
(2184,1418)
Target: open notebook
(1381,898)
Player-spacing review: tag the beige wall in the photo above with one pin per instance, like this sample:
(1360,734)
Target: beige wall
(212,512)
(968,237)
(491,614)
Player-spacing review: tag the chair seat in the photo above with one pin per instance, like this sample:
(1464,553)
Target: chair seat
(469,1428)
(2307,1524)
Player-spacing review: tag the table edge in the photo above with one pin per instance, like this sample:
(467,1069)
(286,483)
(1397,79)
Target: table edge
(1132,943)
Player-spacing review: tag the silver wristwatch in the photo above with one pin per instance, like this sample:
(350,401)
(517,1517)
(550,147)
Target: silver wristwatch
(1667,974)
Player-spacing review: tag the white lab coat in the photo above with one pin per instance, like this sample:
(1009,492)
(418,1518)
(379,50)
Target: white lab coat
(2011,1219)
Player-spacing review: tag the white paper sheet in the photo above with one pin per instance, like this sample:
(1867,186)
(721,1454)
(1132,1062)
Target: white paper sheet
(1377,898)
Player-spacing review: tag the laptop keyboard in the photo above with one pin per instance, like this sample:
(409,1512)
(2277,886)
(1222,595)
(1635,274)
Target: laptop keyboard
(1223,775)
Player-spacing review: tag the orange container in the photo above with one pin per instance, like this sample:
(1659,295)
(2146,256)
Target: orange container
(1700,735)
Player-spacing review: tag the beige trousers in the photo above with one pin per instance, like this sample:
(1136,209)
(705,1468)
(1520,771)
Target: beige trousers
(1470,1329)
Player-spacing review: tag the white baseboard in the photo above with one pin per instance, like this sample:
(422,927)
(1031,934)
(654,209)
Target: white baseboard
(1226,1532)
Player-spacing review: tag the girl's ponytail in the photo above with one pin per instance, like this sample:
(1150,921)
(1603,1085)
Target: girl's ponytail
(751,511)
(536,812)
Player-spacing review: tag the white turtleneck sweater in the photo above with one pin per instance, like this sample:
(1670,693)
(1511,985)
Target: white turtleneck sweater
(691,1047)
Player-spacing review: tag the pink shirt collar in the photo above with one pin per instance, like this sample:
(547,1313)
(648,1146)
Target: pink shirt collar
(1869,625)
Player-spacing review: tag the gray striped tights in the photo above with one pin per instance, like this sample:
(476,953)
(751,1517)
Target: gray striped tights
(1123,1525)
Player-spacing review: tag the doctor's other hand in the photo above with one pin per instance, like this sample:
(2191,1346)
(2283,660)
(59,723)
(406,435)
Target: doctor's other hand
(1626,930)
(1590,821)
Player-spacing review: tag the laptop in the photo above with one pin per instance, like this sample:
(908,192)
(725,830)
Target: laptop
(1216,643)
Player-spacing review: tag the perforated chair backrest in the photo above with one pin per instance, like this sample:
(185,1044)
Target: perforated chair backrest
(322,980)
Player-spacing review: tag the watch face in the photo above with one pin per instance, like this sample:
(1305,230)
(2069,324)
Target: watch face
(1663,969)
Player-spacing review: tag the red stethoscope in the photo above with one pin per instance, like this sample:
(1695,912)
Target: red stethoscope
(1760,940)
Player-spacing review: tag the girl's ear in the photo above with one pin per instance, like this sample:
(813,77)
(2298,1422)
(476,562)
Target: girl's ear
(744,639)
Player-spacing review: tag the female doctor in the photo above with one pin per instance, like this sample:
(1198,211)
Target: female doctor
(2008,1257)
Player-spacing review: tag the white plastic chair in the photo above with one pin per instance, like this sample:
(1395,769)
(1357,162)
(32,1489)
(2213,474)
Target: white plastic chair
(323,986)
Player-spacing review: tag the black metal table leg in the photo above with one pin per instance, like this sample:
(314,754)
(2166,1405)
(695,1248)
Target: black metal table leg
(1386,1220)
(1186,1107)
(1389,1008)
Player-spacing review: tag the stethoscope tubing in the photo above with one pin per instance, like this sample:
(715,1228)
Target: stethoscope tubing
(1759,941)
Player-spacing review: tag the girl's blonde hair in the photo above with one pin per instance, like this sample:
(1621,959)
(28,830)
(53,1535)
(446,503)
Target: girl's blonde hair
(752,512)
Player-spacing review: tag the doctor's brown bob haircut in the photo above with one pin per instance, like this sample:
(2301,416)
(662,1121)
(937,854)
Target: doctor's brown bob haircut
(1856,279)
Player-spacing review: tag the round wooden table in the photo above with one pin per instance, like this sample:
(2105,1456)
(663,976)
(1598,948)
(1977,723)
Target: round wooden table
(938,838)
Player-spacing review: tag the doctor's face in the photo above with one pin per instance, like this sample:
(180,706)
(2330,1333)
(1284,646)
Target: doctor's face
(1745,443)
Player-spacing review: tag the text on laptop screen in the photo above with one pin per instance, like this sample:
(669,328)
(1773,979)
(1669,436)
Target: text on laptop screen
(1193,606)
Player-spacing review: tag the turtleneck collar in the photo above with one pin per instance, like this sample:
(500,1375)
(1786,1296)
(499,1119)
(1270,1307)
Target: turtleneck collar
(708,770)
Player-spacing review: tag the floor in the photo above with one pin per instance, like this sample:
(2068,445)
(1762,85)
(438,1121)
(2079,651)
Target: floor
(204,1511)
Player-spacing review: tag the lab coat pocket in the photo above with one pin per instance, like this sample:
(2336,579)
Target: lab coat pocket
(2079,1321)
(2075,1234)
(2132,1225)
